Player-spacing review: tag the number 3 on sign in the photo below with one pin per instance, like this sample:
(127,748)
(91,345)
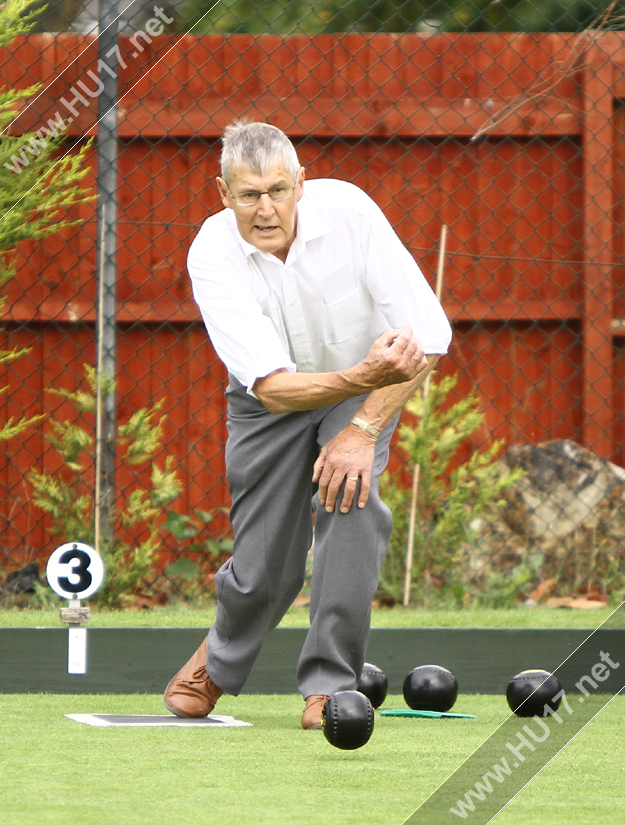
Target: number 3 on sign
(75,571)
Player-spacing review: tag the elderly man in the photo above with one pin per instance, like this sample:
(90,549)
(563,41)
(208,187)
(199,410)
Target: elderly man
(326,326)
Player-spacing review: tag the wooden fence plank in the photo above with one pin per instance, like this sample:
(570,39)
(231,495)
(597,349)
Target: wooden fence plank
(532,211)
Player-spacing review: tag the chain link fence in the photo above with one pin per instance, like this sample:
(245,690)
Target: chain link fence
(503,122)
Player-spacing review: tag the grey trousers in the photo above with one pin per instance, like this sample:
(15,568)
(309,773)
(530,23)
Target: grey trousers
(269,463)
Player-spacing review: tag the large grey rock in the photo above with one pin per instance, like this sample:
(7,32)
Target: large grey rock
(562,491)
(561,533)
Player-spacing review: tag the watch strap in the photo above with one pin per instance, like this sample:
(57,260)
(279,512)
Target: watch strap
(368,428)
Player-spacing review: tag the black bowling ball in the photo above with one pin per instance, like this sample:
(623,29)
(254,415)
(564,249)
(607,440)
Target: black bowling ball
(374,684)
(430,687)
(347,720)
(531,693)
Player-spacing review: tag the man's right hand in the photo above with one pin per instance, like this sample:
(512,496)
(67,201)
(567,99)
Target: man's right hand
(395,357)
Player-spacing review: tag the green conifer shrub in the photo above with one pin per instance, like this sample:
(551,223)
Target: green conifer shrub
(449,499)
(34,202)
(68,495)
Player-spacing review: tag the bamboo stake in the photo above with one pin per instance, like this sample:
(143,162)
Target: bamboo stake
(417,470)
(98,395)
(411,529)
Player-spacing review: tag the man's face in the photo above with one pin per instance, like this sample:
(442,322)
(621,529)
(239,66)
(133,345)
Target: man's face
(268,225)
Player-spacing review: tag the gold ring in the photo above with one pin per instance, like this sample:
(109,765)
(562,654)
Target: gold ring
(350,478)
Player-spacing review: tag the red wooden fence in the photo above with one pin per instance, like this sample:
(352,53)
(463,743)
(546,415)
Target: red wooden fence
(534,280)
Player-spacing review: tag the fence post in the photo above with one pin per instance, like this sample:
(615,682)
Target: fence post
(597,312)
(107,246)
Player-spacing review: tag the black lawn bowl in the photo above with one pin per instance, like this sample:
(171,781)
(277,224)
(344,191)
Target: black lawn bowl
(347,720)
(430,687)
(532,692)
(374,684)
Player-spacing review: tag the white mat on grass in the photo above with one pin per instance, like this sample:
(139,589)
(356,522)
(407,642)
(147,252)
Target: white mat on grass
(108,720)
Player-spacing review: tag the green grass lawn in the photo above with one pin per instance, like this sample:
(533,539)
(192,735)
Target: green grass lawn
(298,617)
(58,772)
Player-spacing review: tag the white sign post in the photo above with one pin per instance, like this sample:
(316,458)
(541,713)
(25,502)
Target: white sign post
(75,571)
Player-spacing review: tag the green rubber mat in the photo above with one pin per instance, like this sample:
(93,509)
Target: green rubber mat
(429,714)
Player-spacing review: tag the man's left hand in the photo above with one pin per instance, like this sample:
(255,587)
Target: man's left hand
(347,457)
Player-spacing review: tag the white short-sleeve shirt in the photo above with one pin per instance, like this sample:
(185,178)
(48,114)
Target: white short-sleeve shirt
(347,278)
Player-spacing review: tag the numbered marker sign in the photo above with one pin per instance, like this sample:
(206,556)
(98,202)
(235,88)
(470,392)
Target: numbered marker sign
(75,571)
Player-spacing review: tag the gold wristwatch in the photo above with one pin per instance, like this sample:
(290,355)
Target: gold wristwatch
(368,428)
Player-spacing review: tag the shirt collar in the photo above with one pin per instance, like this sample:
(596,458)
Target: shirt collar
(310,225)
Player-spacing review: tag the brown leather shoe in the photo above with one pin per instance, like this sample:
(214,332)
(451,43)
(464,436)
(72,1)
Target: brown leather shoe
(311,717)
(192,693)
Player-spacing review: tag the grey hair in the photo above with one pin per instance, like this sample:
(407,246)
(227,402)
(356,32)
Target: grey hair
(257,147)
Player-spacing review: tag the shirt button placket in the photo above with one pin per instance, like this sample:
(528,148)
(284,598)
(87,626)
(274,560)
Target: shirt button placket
(296,323)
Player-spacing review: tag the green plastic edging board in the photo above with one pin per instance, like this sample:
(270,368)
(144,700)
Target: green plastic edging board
(143,660)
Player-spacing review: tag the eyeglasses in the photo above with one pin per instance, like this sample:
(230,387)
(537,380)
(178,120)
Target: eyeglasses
(276,193)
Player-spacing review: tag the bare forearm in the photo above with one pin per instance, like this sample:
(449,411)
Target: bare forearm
(394,358)
(382,405)
(292,391)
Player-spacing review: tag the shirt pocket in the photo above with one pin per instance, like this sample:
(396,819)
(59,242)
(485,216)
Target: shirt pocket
(345,318)
(338,285)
